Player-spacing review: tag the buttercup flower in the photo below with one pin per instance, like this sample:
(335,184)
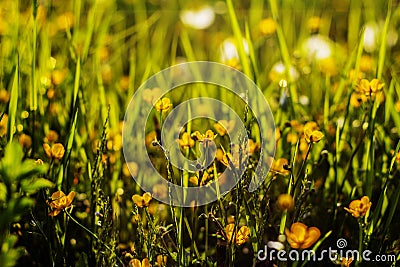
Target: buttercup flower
(278,166)
(142,200)
(209,135)
(161,260)
(186,141)
(301,236)
(359,207)
(136,263)
(223,127)
(59,201)
(285,202)
(242,236)
(312,136)
(163,104)
(54,152)
(369,87)
(267,26)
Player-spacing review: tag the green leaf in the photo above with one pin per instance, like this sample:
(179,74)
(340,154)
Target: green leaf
(10,164)
(12,109)
(33,185)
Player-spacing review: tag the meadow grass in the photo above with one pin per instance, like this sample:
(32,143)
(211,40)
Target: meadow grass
(68,70)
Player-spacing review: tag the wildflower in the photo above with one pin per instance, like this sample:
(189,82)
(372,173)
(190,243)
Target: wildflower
(301,236)
(359,207)
(56,151)
(3,125)
(204,138)
(252,146)
(163,104)
(278,166)
(25,140)
(136,263)
(346,262)
(314,23)
(51,136)
(285,202)
(186,141)
(369,88)
(228,160)
(209,135)
(59,201)
(223,127)
(58,76)
(267,26)
(242,236)
(142,200)
(4,96)
(161,260)
(311,135)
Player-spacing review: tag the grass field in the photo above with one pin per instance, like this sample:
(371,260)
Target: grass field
(329,70)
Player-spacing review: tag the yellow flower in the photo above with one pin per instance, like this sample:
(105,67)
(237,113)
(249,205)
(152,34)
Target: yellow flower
(209,135)
(136,263)
(4,96)
(285,202)
(359,207)
(25,140)
(314,23)
(242,236)
(186,141)
(311,135)
(51,136)
(267,26)
(252,146)
(300,236)
(278,166)
(163,104)
(161,260)
(3,125)
(223,127)
(369,87)
(142,200)
(59,201)
(54,152)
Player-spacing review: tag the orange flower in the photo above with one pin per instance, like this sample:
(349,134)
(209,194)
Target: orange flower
(142,200)
(242,236)
(300,236)
(285,202)
(163,104)
(59,201)
(359,207)
(136,263)
(186,141)
(55,152)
